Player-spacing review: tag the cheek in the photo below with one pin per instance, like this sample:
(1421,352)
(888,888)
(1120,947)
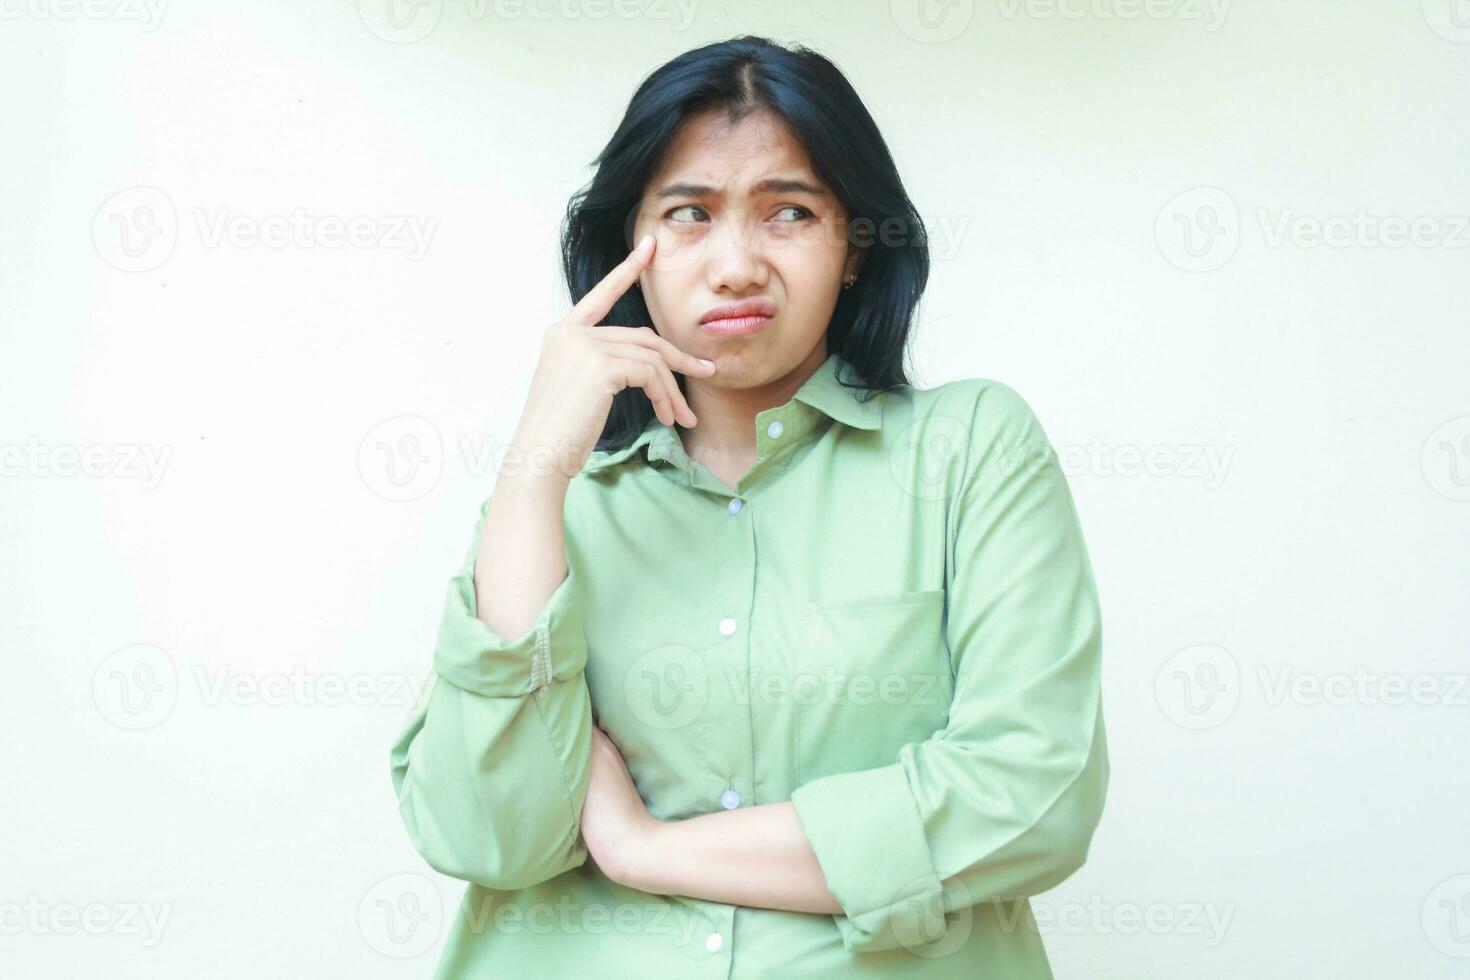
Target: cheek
(811,254)
(666,311)
(810,275)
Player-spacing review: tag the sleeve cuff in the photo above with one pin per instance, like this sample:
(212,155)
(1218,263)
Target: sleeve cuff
(869,840)
(471,655)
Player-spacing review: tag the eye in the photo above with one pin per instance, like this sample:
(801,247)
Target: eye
(803,213)
(684,207)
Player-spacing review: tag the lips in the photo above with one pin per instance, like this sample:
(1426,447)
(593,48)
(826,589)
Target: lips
(745,309)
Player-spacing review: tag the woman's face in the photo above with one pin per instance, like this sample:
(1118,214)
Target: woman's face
(740,216)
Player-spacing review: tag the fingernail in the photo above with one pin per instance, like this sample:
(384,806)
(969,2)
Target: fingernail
(646,241)
(705,360)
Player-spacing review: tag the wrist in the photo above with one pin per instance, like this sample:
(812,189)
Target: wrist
(533,458)
(532,472)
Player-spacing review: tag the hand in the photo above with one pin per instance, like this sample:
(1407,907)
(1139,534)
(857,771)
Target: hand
(582,366)
(614,820)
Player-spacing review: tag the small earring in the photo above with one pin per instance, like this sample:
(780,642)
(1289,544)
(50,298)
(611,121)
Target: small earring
(848,282)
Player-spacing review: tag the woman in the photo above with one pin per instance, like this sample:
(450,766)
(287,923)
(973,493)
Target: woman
(762,662)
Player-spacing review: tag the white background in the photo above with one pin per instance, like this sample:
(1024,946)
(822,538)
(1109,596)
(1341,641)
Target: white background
(286,443)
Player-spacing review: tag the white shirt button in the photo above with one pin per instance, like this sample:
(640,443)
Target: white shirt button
(774,429)
(729,799)
(735,504)
(727,626)
(713,942)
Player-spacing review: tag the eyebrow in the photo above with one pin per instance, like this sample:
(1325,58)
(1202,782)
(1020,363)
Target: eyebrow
(771,185)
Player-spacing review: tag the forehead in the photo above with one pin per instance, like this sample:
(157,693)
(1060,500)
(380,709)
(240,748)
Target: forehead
(709,148)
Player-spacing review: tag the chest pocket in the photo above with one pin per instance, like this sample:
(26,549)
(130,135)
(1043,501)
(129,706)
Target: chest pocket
(873,675)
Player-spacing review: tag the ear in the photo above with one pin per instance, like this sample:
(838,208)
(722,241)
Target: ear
(855,256)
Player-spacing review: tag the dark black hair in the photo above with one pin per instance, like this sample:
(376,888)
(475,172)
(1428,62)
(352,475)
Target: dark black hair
(871,322)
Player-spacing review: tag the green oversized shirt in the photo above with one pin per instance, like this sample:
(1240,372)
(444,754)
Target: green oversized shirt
(891,621)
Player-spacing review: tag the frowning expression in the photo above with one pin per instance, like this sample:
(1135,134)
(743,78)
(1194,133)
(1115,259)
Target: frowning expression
(752,247)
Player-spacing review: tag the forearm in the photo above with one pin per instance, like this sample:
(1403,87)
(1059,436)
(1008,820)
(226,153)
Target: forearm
(756,856)
(522,554)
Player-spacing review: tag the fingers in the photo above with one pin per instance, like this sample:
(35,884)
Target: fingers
(657,382)
(645,368)
(677,359)
(601,297)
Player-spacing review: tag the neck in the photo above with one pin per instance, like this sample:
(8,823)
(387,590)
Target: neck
(726,429)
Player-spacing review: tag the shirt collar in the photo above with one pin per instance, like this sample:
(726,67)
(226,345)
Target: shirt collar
(822,394)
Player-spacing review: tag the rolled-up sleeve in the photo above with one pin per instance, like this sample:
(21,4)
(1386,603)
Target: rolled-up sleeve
(491,771)
(1003,801)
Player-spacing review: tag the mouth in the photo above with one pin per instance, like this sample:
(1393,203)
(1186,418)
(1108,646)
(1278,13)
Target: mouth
(738,319)
(735,326)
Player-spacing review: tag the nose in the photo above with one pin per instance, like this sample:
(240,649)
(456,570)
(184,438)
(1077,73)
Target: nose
(735,259)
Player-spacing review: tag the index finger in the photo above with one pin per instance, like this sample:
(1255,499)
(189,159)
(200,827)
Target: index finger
(601,297)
